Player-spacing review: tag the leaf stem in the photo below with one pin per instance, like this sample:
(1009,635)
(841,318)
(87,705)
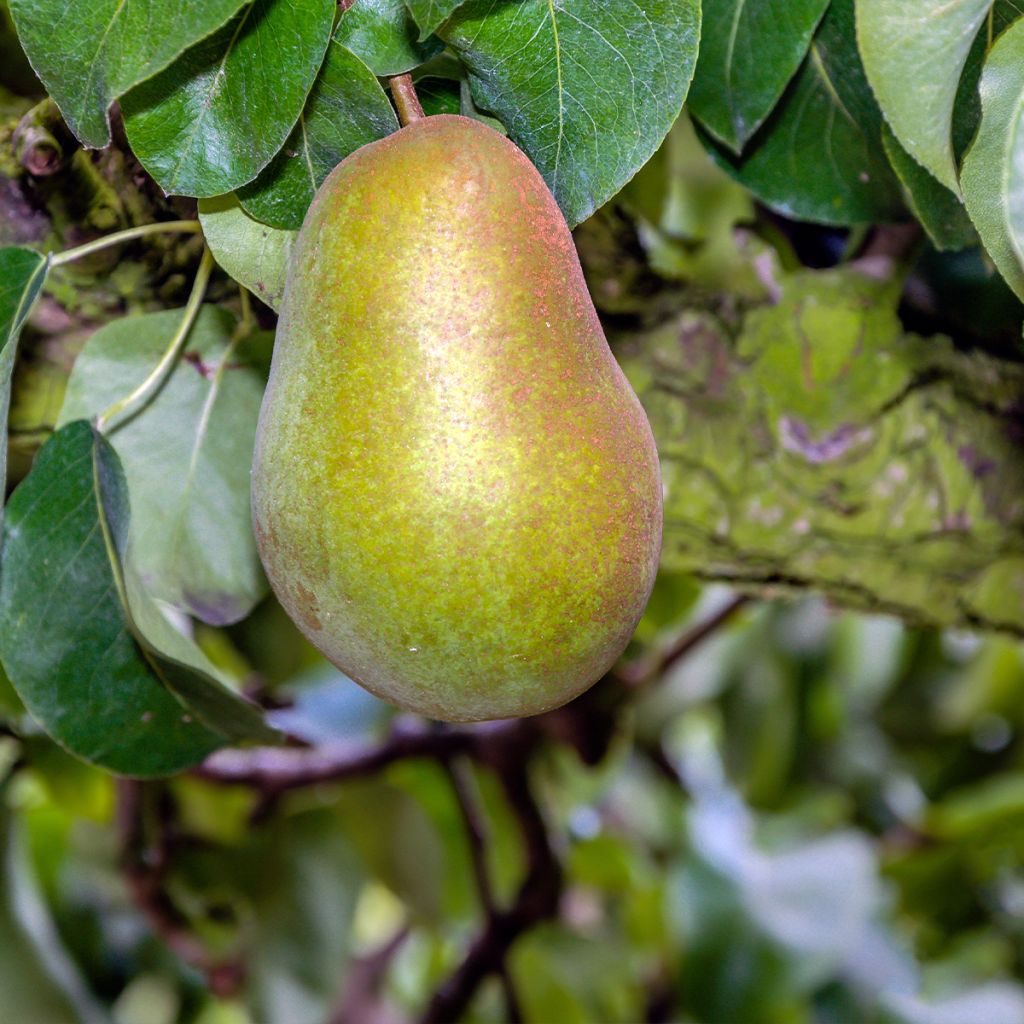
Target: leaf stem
(248,321)
(406,100)
(98,244)
(149,387)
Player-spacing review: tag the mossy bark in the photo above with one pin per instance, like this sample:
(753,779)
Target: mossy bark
(820,447)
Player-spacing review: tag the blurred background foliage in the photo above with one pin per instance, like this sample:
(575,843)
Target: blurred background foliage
(818,816)
(815,818)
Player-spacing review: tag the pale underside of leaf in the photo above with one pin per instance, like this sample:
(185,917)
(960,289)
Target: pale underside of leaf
(914,54)
(993,169)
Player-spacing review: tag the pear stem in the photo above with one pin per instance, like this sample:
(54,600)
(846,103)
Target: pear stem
(406,100)
(130,404)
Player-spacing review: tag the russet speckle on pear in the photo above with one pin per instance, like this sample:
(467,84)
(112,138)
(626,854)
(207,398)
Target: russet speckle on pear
(456,494)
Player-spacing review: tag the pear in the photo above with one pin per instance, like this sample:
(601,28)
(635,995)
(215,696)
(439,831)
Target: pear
(456,494)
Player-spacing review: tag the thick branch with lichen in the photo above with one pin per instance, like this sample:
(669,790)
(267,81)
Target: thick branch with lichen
(820,447)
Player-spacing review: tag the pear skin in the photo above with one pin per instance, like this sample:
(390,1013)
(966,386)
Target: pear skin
(456,493)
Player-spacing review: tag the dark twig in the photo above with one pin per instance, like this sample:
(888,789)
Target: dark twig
(279,769)
(645,671)
(145,865)
(536,900)
(362,998)
(472,816)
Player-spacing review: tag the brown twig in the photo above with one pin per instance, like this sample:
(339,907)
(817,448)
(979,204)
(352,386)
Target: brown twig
(537,900)
(279,769)
(472,817)
(362,998)
(145,866)
(407,103)
(644,671)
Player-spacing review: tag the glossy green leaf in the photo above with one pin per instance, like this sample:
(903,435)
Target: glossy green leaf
(22,273)
(66,641)
(439,96)
(186,456)
(914,55)
(431,14)
(384,36)
(93,51)
(90,653)
(587,89)
(749,50)
(254,254)
(10,702)
(346,109)
(819,156)
(940,212)
(218,115)
(992,176)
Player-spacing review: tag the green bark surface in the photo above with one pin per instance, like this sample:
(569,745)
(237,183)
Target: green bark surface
(823,448)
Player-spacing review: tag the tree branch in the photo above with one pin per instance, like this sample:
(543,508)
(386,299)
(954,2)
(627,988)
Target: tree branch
(822,448)
(644,671)
(144,866)
(537,899)
(472,816)
(585,723)
(280,769)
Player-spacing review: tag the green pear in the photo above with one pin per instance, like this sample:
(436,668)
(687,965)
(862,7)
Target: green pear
(456,494)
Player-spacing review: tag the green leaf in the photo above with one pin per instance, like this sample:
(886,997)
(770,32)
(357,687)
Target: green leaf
(92,52)
(819,156)
(10,702)
(914,55)
(439,96)
(303,888)
(431,14)
(407,829)
(993,171)
(572,978)
(281,896)
(383,35)
(587,89)
(218,115)
(80,639)
(346,109)
(186,456)
(940,212)
(749,50)
(764,928)
(38,979)
(22,273)
(254,254)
